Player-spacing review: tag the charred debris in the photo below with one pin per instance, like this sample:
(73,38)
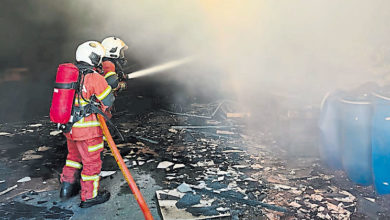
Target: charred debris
(207,161)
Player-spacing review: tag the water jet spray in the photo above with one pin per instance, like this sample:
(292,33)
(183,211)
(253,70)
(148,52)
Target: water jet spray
(160,68)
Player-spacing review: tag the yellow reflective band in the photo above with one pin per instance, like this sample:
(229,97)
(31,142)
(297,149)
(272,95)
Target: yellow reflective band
(87,124)
(95,147)
(90,178)
(95,188)
(80,121)
(104,138)
(95,179)
(70,163)
(82,102)
(109,74)
(82,124)
(105,93)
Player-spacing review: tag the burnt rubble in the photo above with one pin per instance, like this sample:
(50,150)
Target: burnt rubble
(207,162)
(234,170)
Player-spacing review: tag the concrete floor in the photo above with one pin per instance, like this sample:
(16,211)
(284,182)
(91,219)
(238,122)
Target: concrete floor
(121,205)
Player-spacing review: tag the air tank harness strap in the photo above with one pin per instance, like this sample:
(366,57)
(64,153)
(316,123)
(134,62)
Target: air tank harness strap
(97,110)
(72,85)
(80,112)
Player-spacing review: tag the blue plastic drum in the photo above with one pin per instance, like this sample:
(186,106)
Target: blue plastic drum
(380,139)
(356,117)
(329,126)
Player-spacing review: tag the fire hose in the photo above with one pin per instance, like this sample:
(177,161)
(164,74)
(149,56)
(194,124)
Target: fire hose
(126,173)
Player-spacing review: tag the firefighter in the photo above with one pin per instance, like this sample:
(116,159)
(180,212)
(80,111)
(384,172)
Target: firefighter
(85,139)
(113,62)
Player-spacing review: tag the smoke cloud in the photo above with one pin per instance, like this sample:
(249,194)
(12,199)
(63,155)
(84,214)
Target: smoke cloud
(273,56)
(294,48)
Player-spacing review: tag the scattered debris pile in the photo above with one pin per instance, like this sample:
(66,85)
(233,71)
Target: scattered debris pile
(208,164)
(213,166)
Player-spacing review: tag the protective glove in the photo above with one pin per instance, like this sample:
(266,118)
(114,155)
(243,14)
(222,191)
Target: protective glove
(122,86)
(108,113)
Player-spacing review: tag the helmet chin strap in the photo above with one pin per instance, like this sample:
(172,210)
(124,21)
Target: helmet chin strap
(84,64)
(84,67)
(122,61)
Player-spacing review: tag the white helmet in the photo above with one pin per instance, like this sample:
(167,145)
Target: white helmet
(90,52)
(115,47)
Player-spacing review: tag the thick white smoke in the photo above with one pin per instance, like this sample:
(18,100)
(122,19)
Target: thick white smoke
(294,47)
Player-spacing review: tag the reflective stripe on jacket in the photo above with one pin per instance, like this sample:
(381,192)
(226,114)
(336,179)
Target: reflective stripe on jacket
(89,127)
(110,74)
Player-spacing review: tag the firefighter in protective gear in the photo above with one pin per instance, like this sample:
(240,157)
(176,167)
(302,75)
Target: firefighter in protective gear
(85,139)
(113,62)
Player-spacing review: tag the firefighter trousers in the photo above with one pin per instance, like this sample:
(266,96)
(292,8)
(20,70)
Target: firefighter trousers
(84,155)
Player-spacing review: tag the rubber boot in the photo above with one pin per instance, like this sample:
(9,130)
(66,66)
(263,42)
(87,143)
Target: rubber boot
(69,190)
(102,197)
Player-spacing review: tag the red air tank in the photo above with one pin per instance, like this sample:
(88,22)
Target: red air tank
(64,92)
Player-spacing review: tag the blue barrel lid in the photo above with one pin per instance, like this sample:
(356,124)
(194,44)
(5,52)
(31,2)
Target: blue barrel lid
(356,100)
(332,95)
(382,93)
(361,95)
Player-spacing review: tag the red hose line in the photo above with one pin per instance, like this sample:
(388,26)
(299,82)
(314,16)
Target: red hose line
(126,173)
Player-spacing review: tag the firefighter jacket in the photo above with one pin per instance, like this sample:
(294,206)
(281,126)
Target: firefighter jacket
(110,74)
(89,127)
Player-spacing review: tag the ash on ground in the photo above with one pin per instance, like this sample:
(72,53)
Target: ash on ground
(197,161)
